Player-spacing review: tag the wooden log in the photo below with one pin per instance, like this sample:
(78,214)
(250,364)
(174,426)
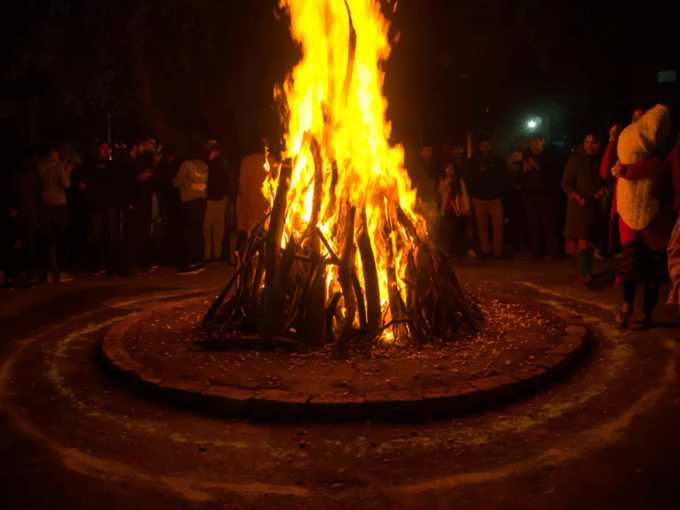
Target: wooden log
(330,207)
(220,299)
(345,280)
(443,275)
(315,316)
(278,310)
(214,313)
(224,313)
(359,295)
(273,246)
(447,273)
(397,306)
(331,310)
(254,240)
(317,197)
(411,278)
(306,291)
(295,309)
(371,283)
(351,56)
(334,258)
(254,298)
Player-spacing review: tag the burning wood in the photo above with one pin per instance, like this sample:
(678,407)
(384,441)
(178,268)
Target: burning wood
(343,257)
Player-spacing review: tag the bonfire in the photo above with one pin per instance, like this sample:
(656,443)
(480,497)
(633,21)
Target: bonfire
(342,259)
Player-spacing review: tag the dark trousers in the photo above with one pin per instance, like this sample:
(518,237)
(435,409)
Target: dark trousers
(541,220)
(53,224)
(28,230)
(455,233)
(174,248)
(104,235)
(516,220)
(139,231)
(193,214)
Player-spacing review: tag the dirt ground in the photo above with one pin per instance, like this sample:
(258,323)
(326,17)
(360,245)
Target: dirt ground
(509,336)
(603,438)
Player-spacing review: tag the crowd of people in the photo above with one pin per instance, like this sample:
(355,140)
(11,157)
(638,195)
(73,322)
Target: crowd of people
(121,210)
(125,210)
(494,207)
(536,202)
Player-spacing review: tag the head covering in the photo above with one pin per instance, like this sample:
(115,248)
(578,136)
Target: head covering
(638,141)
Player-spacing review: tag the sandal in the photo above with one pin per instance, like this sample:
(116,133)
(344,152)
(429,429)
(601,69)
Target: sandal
(621,318)
(644,322)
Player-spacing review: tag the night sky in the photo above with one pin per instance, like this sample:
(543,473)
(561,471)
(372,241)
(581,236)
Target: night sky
(210,67)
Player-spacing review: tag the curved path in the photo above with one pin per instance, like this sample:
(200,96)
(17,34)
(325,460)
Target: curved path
(606,437)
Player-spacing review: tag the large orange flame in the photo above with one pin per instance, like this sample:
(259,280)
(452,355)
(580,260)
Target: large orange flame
(341,108)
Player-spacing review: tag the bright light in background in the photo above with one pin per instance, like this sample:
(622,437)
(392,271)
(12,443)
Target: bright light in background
(533,123)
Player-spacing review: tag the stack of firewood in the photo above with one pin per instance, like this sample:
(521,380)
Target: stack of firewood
(278,295)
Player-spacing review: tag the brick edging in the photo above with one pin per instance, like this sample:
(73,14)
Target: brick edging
(445,400)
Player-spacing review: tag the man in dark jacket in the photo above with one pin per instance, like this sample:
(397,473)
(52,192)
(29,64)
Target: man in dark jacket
(171,228)
(100,187)
(144,170)
(137,216)
(217,192)
(540,169)
(487,181)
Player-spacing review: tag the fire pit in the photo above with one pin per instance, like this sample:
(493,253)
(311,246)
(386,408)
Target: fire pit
(343,257)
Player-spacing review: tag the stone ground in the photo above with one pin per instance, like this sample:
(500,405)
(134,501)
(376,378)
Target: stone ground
(603,438)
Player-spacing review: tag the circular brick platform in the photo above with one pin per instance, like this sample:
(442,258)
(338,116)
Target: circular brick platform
(278,404)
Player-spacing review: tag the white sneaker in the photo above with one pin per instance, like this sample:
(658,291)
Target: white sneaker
(471,253)
(65,277)
(598,255)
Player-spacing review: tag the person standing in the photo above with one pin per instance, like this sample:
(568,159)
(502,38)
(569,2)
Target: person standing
(513,204)
(537,167)
(191,180)
(423,172)
(171,240)
(584,187)
(217,190)
(127,200)
(455,209)
(100,189)
(251,204)
(644,221)
(55,179)
(487,180)
(143,206)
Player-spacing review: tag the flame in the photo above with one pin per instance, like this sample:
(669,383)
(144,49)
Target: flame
(342,109)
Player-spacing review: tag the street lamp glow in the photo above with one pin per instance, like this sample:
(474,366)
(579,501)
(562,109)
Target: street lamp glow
(533,123)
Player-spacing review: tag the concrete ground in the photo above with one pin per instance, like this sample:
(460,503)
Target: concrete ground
(604,438)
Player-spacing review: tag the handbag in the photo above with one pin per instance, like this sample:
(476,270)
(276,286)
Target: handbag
(461,201)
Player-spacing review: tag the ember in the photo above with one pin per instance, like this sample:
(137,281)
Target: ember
(343,256)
